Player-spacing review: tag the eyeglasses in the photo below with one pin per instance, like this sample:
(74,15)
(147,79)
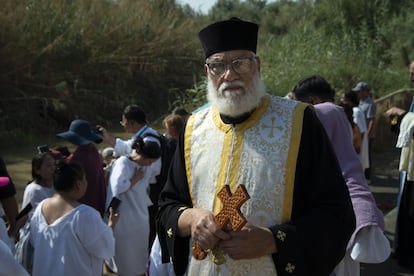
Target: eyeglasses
(239,65)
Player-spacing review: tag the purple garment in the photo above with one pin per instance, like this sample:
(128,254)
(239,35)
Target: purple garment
(339,131)
(91,161)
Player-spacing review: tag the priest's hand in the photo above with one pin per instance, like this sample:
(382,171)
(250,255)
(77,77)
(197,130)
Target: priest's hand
(249,243)
(395,111)
(199,223)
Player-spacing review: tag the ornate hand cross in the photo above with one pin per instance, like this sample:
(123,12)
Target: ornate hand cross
(229,216)
(230,213)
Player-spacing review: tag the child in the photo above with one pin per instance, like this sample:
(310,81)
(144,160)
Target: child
(41,187)
(70,238)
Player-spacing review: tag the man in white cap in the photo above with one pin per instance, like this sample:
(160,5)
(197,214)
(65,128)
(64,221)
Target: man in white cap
(299,215)
(368,107)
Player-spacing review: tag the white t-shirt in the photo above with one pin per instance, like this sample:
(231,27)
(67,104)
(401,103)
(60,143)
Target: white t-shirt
(35,193)
(75,244)
(359,120)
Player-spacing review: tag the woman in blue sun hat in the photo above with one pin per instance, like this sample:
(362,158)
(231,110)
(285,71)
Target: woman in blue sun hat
(83,135)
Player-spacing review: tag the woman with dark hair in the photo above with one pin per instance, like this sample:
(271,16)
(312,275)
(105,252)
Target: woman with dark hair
(351,98)
(70,238)
(41,187)
(356,133)
(129,181)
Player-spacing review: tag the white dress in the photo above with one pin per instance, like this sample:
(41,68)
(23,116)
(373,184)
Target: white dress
(132,230)
(75,244)
(35,193)
(359,119)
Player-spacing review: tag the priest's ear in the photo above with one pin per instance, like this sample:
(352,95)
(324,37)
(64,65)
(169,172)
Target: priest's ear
(258,63)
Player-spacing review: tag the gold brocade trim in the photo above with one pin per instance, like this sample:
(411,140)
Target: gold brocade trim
(297,124)
(235,149)
(187,153)
(222,175)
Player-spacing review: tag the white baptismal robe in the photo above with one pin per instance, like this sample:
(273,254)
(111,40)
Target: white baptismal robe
(8,264)
(405,142)
(35,193)
(75,244)
(132,230)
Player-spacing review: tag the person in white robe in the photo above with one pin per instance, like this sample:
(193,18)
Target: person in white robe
(129,181)
(70,238)
(8,265)
(41,187)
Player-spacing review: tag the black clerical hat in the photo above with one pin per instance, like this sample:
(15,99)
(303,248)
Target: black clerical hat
(232,34)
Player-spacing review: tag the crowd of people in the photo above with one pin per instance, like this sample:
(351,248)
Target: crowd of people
(68,206)
(303,162)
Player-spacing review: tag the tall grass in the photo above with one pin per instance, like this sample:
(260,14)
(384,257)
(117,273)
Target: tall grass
(87,59)
(343,60)
(90,58)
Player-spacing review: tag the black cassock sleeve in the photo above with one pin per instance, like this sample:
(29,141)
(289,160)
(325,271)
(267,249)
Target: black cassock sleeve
(322,220)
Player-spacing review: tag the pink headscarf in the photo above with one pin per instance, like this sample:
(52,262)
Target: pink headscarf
(4,181)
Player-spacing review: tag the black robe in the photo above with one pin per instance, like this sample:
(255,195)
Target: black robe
(404,227)
(322,219)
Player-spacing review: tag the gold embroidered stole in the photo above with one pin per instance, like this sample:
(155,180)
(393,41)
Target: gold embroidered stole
(260,153)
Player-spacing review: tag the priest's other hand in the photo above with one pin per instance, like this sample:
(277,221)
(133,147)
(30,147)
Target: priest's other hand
(249,243)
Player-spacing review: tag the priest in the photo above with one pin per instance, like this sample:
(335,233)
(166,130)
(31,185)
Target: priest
(299,215)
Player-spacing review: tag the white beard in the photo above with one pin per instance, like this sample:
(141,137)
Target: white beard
(236,102)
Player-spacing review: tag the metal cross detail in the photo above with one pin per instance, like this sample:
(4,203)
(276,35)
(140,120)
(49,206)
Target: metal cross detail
(230,217)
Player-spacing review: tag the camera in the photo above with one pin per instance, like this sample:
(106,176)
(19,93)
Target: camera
(43,148)
(115,202)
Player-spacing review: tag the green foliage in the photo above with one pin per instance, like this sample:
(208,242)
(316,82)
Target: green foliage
(345,41)
(125,51)
(339,59)
(88,59)
(192,98)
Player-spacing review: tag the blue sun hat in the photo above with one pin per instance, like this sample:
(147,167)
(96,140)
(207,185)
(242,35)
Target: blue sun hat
(81,133)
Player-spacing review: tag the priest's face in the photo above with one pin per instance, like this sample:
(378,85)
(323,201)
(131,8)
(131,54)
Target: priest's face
(234,86)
